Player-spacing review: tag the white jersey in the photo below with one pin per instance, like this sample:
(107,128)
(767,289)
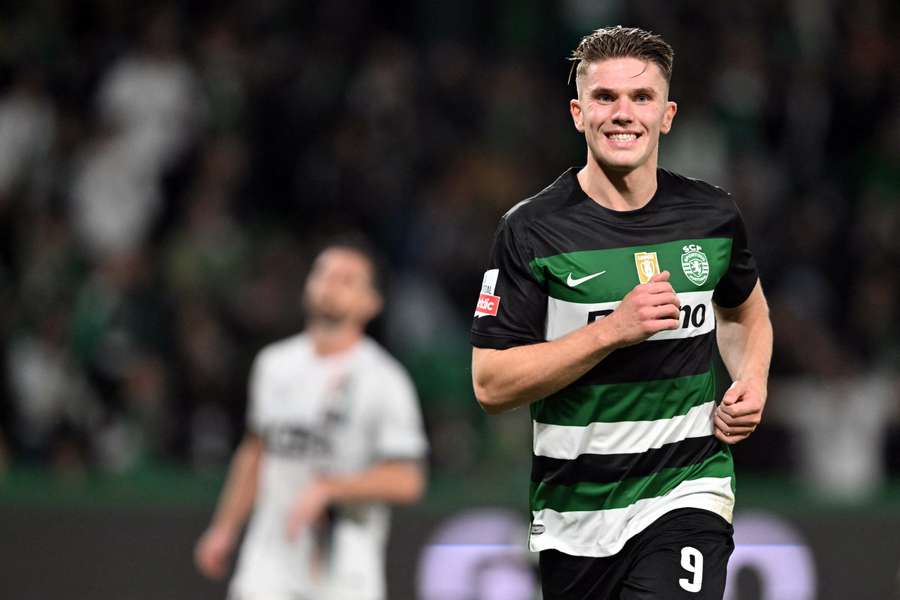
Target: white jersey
(323,415)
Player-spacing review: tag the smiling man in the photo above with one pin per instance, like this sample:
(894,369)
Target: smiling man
(601,309)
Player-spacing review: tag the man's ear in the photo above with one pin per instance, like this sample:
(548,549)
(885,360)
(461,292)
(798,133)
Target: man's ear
(374,305)
(577,115)
(668,117)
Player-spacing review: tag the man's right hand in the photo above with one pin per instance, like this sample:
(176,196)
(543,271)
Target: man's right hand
(647,309)
(213,550)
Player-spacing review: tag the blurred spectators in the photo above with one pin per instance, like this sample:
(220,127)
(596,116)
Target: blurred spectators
(164,176)
(27,134)
(150,95)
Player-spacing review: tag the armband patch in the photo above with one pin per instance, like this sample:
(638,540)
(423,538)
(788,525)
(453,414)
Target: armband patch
(488,303)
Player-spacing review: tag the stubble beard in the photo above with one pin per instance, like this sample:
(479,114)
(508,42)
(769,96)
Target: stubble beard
(325,320)
(322,318)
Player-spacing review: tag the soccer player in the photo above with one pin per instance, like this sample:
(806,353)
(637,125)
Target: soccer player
(600,311)
(334,434)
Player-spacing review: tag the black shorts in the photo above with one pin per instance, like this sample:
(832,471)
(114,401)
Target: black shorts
(683,554)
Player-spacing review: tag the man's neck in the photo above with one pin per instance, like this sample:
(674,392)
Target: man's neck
(329,339)
(618,190)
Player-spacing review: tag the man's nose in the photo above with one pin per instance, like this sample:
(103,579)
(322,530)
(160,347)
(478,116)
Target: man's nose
(622,114)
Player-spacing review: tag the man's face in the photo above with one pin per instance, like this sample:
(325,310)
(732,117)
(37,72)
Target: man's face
(340,288)
(622,107)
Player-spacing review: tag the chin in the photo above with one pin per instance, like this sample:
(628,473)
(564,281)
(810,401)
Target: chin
(323,313)
(620,167)
(620,164)
(325,319)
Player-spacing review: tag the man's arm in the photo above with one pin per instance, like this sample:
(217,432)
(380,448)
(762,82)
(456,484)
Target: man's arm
(744,335)
(506,379)
(235,503)
(394,482)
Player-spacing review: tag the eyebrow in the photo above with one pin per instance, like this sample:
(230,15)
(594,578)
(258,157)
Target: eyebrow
(646,91)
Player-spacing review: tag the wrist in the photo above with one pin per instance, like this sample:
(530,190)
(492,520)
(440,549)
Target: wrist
(328,488)
(604,335)
(759,383)
(223,529)
(755,379)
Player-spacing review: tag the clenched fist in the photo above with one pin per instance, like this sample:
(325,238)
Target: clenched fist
(647,309)
(213,550)
(740,411)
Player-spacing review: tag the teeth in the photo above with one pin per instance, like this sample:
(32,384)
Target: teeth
(623,137)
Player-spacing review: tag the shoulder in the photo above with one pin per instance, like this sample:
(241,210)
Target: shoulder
(700,202)
(695,190)
(691,186)
(554,197)
(284,350)
(381,366)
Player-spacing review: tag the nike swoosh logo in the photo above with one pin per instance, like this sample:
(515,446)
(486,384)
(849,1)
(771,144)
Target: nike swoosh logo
(573,282)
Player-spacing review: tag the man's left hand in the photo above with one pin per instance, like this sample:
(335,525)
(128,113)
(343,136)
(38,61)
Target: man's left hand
(740,411)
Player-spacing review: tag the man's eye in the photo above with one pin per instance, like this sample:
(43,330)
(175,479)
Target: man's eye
(643,98)
(605,98)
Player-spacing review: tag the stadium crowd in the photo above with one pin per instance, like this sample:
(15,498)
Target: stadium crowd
(166,173)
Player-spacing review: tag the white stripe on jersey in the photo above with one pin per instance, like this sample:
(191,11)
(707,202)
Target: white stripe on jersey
(564,317)
(604,532)
(625,437)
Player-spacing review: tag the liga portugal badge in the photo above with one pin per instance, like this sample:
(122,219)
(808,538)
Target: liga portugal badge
(488,303)
(647,265)
(694,264)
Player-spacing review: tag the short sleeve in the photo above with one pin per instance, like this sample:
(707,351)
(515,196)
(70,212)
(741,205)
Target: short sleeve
(399,432)
(512,305)
(740,279)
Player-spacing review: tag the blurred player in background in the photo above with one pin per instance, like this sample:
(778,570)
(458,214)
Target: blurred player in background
(334,434)
(599,311)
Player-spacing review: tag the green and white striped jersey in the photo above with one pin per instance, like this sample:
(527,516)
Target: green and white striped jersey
(633,438)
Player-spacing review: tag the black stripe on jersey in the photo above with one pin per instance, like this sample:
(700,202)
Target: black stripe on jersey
(662,359)
(611,468)
(562,218)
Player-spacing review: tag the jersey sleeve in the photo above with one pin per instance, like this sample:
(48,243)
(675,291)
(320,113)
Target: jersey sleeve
(512,305)
(740,279)
(399,434)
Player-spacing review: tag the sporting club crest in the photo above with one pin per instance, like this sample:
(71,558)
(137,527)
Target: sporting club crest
(694,264)
(647,265)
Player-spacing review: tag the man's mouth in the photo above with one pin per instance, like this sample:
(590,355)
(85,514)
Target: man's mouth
(622,137)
